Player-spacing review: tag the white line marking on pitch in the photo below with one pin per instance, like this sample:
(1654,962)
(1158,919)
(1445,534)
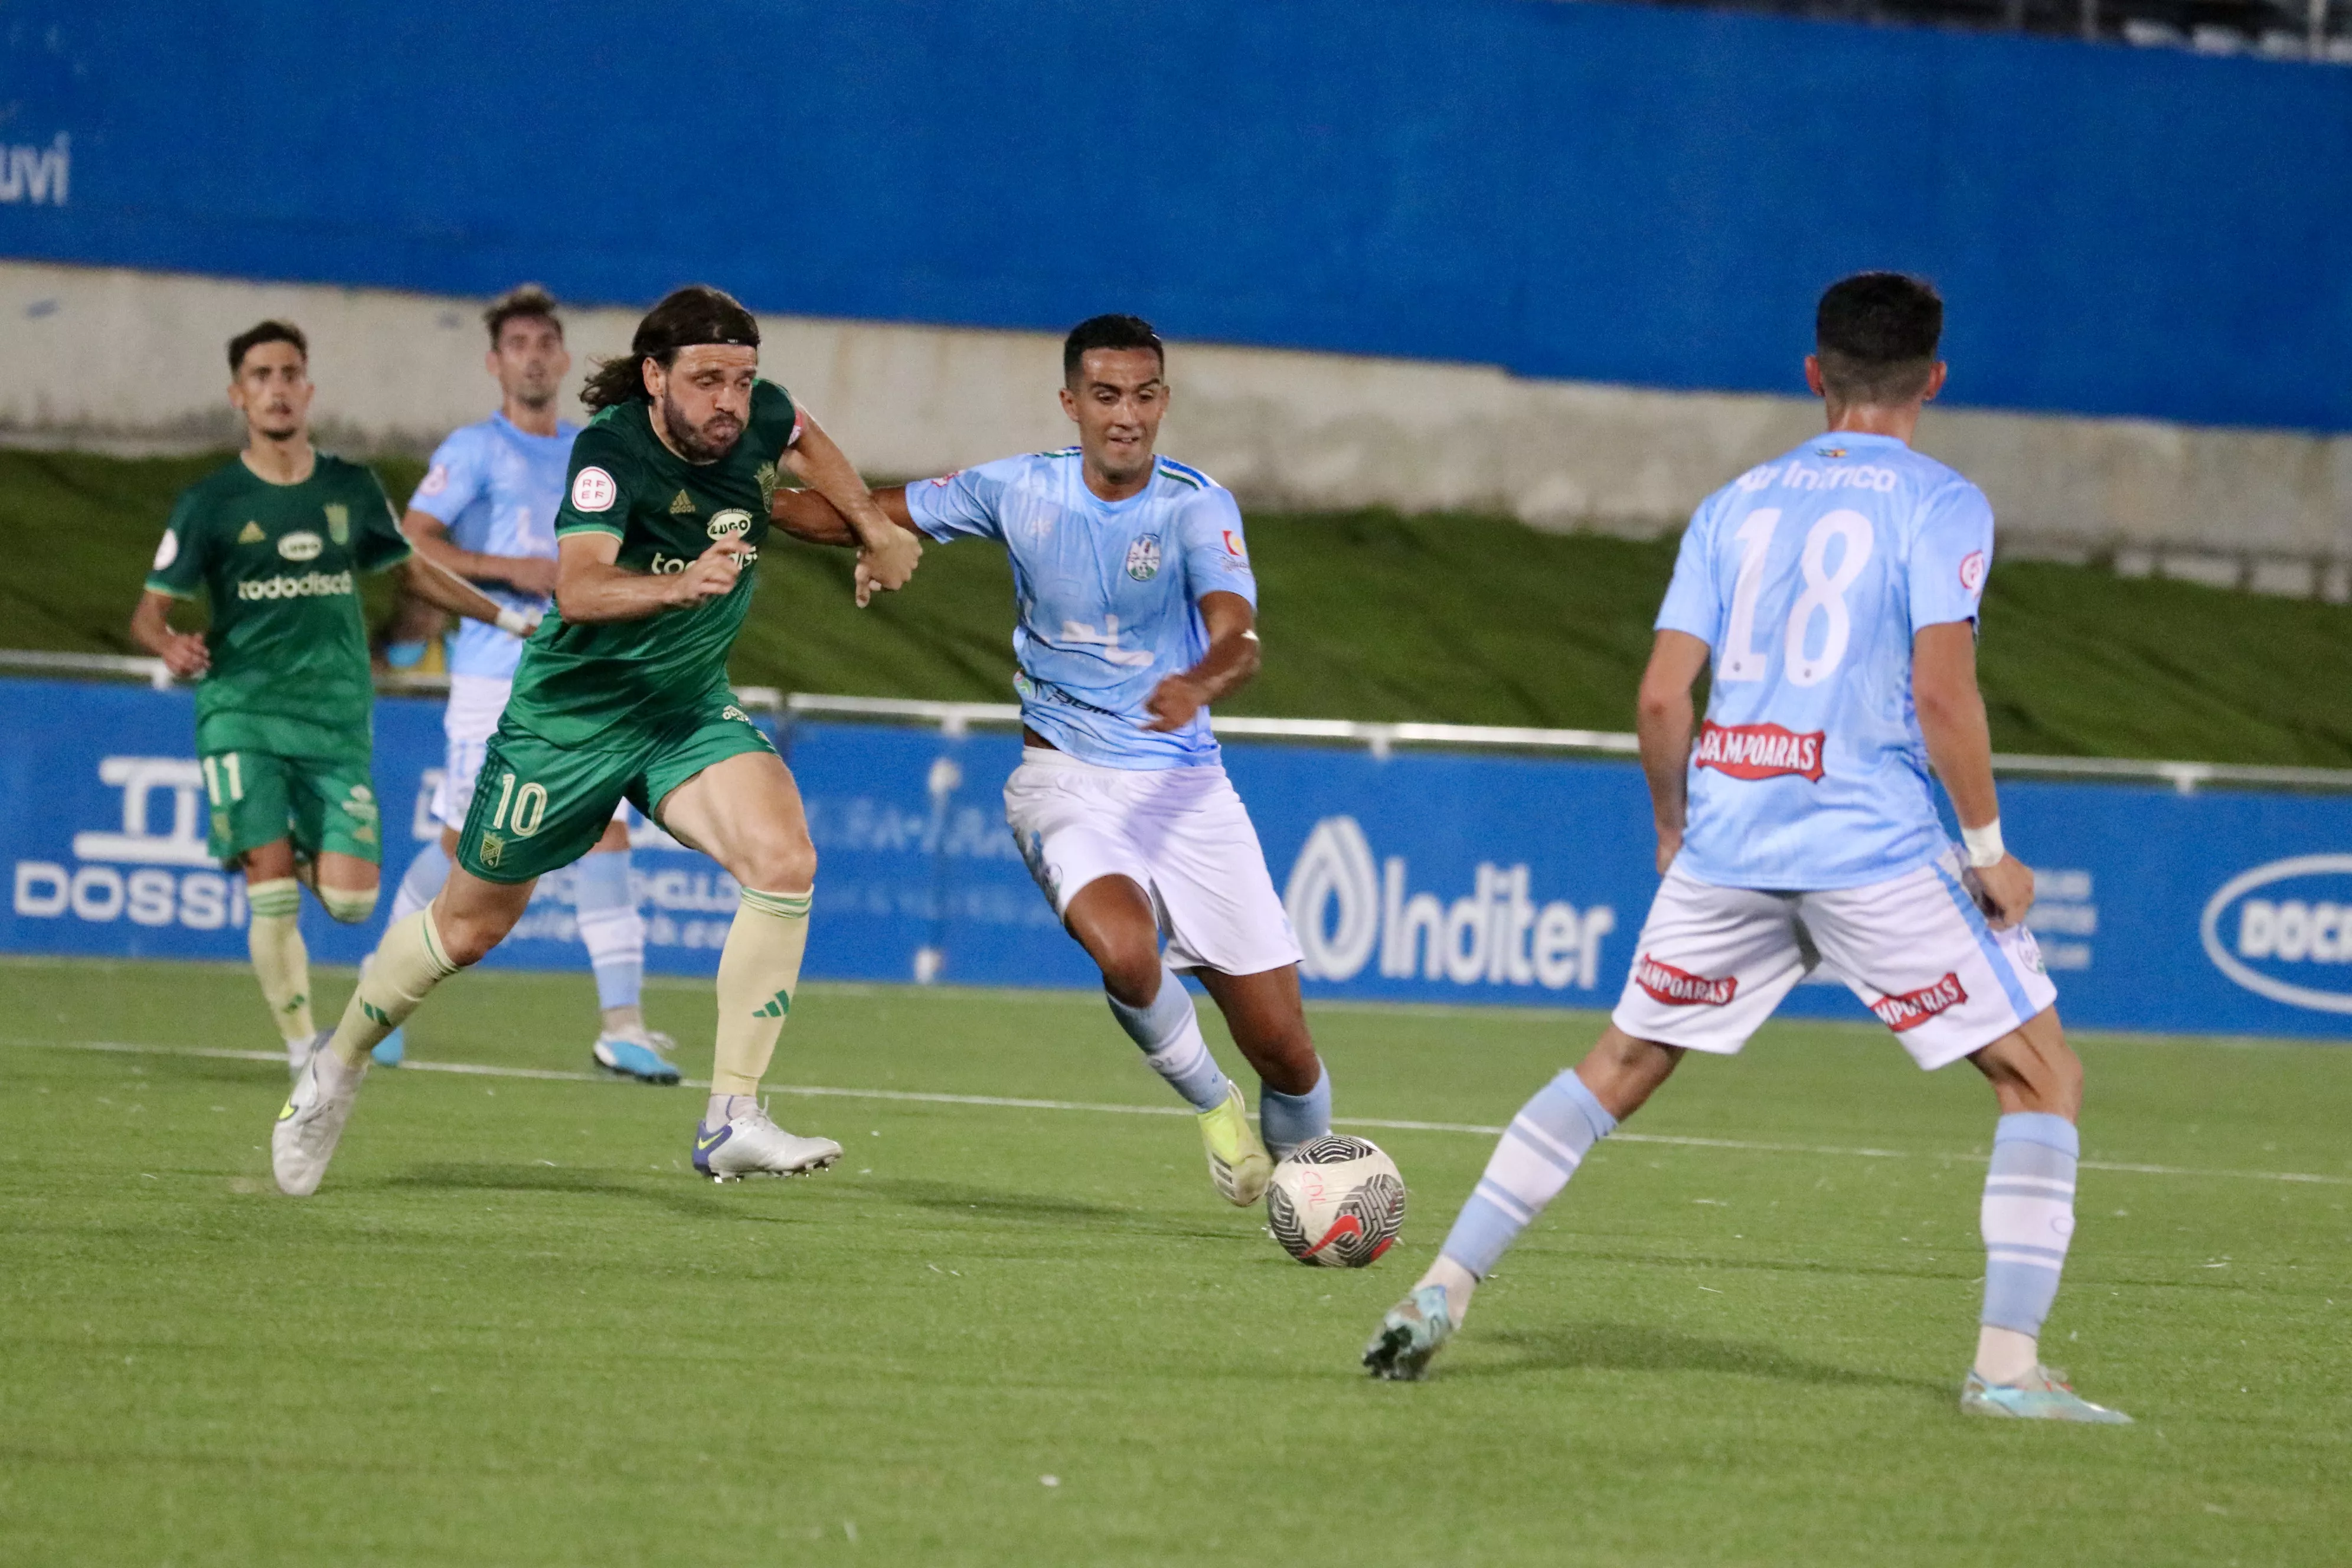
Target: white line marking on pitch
(1007,1102)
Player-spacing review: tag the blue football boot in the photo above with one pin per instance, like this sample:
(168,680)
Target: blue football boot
(2042,1396)
(639,1053)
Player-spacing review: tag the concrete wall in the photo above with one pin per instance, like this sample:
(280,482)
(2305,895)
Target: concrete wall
(132,361)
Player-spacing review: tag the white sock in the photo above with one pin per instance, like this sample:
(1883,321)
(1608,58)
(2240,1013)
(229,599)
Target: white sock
(722,1108)
(1459,1283)
(2006,1357)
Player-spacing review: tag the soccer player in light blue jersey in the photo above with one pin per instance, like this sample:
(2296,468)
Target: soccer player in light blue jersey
(486,511)
(1137,610)
(1833,591)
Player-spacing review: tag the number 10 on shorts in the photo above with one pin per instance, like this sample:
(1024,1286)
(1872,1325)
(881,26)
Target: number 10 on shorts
(528,804)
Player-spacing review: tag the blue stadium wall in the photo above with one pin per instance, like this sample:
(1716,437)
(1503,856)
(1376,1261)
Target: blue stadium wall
(1584,191)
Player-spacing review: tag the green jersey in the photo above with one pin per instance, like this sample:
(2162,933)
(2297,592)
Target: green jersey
(278,562)
(614,684)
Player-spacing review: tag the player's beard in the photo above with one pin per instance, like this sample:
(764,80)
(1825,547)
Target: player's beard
(707,444)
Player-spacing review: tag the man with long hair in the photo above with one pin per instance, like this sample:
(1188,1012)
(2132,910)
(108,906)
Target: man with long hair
(622,694)
(486,511)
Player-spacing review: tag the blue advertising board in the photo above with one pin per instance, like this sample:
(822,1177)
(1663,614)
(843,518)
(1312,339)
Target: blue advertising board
(1639,193)
(1412,878)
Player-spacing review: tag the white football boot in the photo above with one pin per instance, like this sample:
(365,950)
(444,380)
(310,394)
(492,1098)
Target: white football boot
(313,1122)
(753,1145)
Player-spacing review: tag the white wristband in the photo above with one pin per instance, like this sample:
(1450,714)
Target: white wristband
(517,623)
(1984,844)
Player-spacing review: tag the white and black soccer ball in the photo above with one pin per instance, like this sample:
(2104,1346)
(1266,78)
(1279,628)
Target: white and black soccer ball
(1337,1202)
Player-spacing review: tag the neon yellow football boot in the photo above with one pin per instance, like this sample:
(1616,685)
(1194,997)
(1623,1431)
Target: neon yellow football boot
(1238,1162)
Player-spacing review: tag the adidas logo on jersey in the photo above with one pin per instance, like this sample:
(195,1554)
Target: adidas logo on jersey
(681,505)
(250,534)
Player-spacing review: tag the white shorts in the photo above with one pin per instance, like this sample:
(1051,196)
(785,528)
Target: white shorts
(1713,963)
(1181,833)
(475,702)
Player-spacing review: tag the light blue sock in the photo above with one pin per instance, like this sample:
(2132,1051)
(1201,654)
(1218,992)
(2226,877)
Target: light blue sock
(2028,1217)
(1170,1037)
(1286,1121)
(610,926)
(419,882)
(1540,1150)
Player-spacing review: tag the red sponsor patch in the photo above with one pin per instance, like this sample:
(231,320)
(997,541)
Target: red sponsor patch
(1233,546)
(1760,750)
(1680,988)
(1913,1008)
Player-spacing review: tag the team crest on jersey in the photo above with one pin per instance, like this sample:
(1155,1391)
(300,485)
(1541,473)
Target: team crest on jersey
(300,545)
(1909,1009)
(338,522)
(1681,988)
(1972,570)
(250,534)
(1143,558)
(733,524)
(1760,750)
(765,477)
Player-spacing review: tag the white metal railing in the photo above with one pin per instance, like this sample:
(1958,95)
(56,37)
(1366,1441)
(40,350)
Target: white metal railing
(959,718)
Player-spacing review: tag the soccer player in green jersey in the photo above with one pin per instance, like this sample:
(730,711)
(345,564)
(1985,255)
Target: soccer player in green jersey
(274,541)
(622,693)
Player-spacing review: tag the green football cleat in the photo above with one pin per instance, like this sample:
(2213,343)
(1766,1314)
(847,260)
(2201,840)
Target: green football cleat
(1410,1335)
(1238,1162)
(2043,1397)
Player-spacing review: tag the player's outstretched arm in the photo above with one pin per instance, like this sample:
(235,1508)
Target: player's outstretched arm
(429,537)
(590,587)
(1959,743)
(1663,715)
(437,584)
(808,517)
(182,653)
(885,555)
(1230,664)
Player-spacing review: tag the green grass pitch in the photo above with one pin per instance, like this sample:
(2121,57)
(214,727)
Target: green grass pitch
(513,1329)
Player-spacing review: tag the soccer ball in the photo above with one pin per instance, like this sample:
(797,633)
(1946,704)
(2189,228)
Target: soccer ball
(1337,1202)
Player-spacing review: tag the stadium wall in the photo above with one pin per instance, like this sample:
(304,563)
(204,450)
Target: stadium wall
(1626,195)
(131,361)
(1419,877)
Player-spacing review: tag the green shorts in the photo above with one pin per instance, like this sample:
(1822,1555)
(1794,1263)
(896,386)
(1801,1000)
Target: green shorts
(319,803)
(539,806)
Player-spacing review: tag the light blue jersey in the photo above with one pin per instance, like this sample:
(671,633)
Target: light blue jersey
(496,489)
(1109,592)
(1808,578)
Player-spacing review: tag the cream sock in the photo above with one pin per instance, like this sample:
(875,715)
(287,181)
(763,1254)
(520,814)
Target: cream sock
(274,937)
(406,964)
(758,970)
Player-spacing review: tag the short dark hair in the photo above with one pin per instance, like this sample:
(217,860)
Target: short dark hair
(523,301)
(1113,331)
(1876,334)
(696,313)
(253,337)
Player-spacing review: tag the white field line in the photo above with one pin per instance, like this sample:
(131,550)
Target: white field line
(1008,1102)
